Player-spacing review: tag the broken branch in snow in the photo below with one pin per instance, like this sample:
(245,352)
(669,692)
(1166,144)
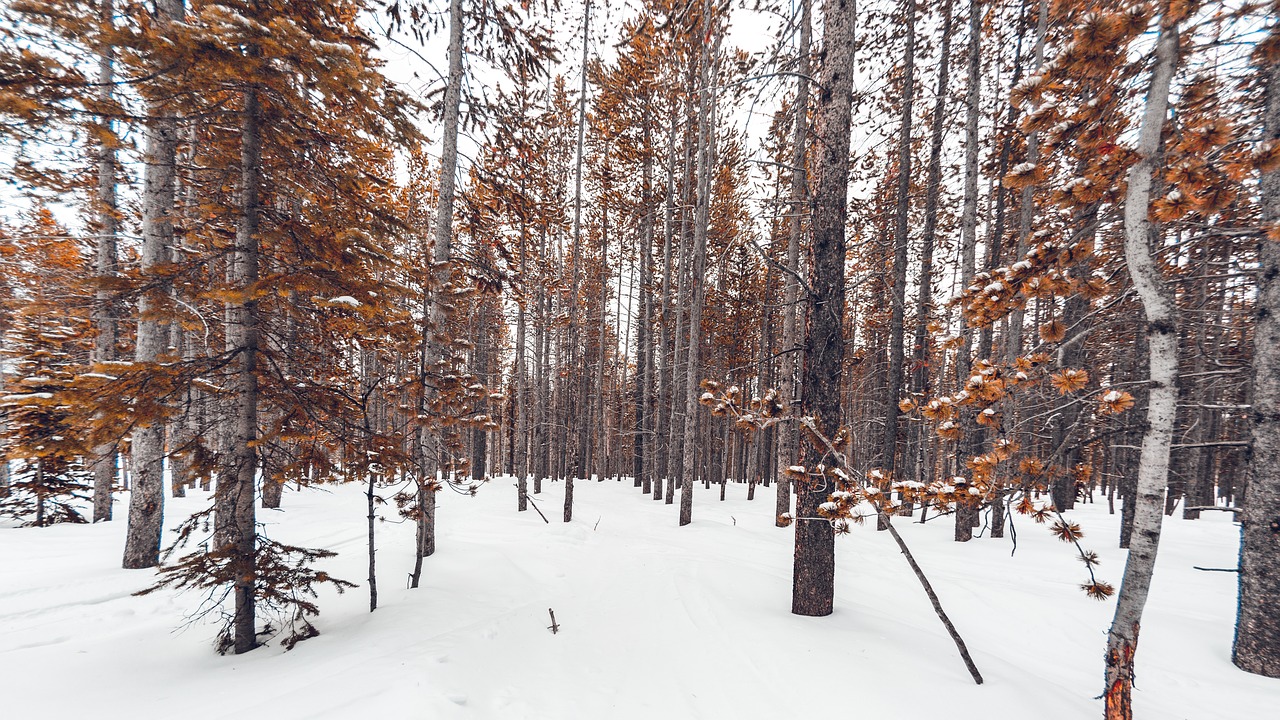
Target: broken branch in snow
(933,598)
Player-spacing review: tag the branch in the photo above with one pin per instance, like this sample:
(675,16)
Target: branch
(933,598)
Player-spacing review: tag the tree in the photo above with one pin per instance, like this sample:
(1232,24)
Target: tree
(813,588)
(146,499)
(1257,641)
(1162,339)
(45,344)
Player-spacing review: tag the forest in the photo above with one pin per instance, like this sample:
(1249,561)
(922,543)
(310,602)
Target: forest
(298,296)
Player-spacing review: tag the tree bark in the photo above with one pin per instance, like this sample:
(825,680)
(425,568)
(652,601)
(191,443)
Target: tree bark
(1257,641)
(235,522)
(901,240)
(922,372)
(788,436)
(575,307)
(1162,336)
(813,586)
(146,500)
(441,256)
(702,218)
(105,268)
(1026,209)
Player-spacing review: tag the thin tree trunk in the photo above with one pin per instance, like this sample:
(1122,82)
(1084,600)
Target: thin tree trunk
(1026,210)
(235,522)
(702,218)
(788,436)
(441,256)
(105,268)
(901,240)
(1162,335)
(643,466)
(575,308)
(922,370)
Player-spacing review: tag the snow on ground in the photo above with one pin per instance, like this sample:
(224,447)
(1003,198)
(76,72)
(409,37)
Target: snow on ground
(657,621)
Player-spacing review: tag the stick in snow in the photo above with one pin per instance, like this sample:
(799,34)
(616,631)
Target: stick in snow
(535,507)
(937,605)
(554,627)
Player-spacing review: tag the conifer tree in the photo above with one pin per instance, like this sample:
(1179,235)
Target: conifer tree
(45,343)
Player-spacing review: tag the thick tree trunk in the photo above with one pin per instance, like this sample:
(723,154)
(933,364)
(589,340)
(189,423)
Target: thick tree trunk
(813,587)
(1162,335)
(1257,643)
(146,500)
(105,268)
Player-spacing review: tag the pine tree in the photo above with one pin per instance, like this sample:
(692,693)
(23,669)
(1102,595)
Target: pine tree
(45,344)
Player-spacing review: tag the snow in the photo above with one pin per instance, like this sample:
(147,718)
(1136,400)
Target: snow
(1112,396)
(21,398)
(344,300)
(656,621)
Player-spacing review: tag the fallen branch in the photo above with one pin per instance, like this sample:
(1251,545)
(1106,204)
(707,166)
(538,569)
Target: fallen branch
(535,507)
(933,598)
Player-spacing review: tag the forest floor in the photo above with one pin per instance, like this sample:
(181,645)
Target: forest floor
(656,621)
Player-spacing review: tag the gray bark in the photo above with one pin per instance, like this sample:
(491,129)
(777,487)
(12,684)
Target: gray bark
(575,307)
(441,256)
(813,579)
(146,500)
(235,530)
(1027,207)
(702,218)
(788,436)
(105,267)
(921,374)
(901,240)
(1257,641)
(1162,323)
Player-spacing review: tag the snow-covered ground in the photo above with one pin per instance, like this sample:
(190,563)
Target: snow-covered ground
(657,621)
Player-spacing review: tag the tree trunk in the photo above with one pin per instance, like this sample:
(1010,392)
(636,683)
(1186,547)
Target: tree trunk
(105,268)
(788,436)
(702,218)
(146,501)
(1026,209)
(575,307)
(1257,642)
(235,522)
(441,256)
(643,465)
(1162,335)
(813,586)
(901,240)
(922,372)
